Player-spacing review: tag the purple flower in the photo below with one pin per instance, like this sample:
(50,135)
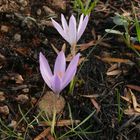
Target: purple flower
(61,76)
(70,32)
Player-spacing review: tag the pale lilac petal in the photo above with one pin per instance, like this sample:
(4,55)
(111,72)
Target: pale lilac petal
(60,30)
(60,64)
(80,22)
(71,71)
(56,84)
(82,27)
(45,69)
(64,23)
(72,30)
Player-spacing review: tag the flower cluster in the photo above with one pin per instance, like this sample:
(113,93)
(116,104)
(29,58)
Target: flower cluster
(61,76)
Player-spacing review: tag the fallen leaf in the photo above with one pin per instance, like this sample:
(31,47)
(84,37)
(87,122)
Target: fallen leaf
(43,134)
(114,72)
(137,47)
(91,96)
(93,100)
(87,45)
(96,105)
(112,67)
(131,112)
(50,137)
(133,106)
(61,123)
(115,60)
(135,87)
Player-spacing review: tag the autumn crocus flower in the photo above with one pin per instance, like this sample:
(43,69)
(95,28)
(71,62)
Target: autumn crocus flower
(61,76)
(71,32)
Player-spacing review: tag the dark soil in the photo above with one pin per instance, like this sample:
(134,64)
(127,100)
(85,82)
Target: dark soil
(26,29)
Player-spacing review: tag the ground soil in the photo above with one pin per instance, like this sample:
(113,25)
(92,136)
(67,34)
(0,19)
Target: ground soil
(26,30)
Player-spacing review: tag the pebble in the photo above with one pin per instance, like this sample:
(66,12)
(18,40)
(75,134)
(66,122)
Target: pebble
(2,97)
(23,2)
(22,98)
(38,12)
(13,124)
(48,10)
(4,110)
(17,37)
(4,28)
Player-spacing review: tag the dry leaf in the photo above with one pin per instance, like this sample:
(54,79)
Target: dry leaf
(61,123)
(137,88)
(114,72)
(96,105)
(133,106)
(87,45)
(91,96)
(93,100)
(134,101)
(113,67)
(22,51)
(114,60)
(131,112)
(137,47)
(43,134)
(50,137)
(55,49)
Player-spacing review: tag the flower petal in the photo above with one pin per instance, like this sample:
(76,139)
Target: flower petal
(45,69)
(82,26)
(72,30)
(64,23)
(60,30)
(80,22)
(60,64)
(56,84)
(71,71)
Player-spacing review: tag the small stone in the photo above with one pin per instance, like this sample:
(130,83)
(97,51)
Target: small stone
(2,97)
(23,2)
(13,124)
(51,102)
(38,12)
(17,37)
(48,10)
(25,90)
(22,98)
(45,42)
(4,28)
(4,110)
